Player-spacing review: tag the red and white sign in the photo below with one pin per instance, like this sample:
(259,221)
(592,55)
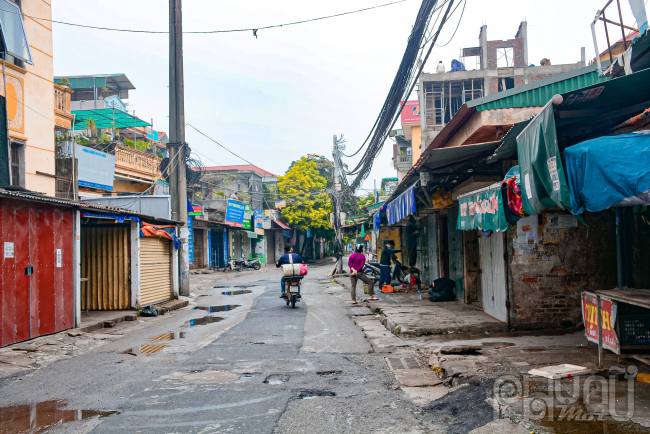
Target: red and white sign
(608,315)
(411,112)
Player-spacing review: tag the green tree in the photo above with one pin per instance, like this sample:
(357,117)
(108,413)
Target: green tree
(365,201)
(304,189)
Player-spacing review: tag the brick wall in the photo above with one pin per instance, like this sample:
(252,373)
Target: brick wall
(517,52)
(550,264)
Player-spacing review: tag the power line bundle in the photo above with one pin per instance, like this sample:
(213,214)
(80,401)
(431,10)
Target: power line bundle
(403,83)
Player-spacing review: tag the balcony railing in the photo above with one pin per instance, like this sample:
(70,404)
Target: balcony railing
(137,161)
(404,162)
(61,98)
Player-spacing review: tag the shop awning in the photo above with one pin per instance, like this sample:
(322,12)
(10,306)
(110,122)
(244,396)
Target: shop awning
(605,171)
(104,119)
(442,157)
(402,206)
(482,209)
(508,145)
(543,184)
(281,225)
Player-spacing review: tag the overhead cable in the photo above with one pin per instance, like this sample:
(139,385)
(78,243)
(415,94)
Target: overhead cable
(251,29)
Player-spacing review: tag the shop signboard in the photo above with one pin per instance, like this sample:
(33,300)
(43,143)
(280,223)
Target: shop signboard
(235,213)
(190,239)
(608,320)
(482,209)
(95,169)
(196,210)
(259,218)
(248,214)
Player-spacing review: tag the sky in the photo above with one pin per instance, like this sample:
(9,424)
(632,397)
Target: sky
(284,94)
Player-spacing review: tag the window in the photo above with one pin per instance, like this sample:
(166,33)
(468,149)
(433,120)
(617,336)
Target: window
(13,32)
(505,57)
(17,164)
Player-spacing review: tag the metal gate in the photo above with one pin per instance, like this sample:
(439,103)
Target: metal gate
(155,270)
(198,248)
(37,277)
(493,280)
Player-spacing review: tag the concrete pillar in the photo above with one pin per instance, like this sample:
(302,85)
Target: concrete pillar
(135,265)
(523,34)
(206,250)
(482,42)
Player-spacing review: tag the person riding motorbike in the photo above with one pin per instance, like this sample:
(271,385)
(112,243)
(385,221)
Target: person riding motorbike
(284,259)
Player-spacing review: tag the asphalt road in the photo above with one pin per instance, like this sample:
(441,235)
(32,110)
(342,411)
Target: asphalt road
(266,368)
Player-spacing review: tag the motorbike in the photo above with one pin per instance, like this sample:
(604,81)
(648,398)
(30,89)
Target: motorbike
(234,265)
(292,290)
(253,263)
(372,270)
(399,271)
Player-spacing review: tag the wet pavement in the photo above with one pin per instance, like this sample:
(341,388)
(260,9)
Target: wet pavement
(261,367)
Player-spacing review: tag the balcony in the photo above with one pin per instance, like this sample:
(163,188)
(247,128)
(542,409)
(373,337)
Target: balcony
(62,114)
(404,162)
(136,165)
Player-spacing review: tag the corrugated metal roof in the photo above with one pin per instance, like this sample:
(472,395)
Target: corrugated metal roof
(21,195)
(538,96)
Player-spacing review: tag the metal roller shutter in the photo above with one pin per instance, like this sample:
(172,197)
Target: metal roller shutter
(155,270)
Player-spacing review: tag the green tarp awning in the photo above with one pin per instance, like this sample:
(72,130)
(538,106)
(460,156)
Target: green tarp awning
(482,209)
(543,183)
(106,118)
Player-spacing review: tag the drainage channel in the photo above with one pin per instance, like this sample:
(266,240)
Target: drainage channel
(169,336)
(243,291)
(223,308)
(43,416)
(145,350)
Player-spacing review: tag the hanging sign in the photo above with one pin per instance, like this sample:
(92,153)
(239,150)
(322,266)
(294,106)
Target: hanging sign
(196,210)
(248,214)
(482,209)
(608,320)
(279,204)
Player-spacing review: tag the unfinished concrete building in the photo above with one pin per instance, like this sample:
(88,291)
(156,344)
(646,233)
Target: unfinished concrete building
(499,66)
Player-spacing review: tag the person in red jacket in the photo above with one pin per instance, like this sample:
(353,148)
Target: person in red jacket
(356,262)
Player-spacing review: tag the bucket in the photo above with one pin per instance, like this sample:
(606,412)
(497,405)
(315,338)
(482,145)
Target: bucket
(366,290)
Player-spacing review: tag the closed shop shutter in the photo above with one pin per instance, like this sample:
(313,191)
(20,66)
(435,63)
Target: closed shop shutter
(155,270)
(198,248)
(105,263)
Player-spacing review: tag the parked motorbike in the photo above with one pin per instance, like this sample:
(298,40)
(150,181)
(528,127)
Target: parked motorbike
(399,271)
(253,263)
(234,265)
(372,270)
(292,290)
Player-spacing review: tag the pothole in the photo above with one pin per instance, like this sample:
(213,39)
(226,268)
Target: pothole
(222,308)
(328,373)
(145,350)
(234,286)
(169,336)
(276,379)
(209,377)
(312,394)
(43,416)
(243,291)
(254,343)
(205,320)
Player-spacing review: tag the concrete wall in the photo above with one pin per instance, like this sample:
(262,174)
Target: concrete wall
(552,258)
(34,87)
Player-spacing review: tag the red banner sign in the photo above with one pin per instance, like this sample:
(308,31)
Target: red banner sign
(590,317)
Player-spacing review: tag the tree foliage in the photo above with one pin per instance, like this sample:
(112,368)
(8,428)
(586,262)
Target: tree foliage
(365,201)
(304,189)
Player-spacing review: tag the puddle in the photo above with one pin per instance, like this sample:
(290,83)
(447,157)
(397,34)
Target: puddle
(276,379)
(205,320)
(223,308)
(234,286)
(243,291)
(312,394)
(497,344)
(169,336)
(326,373)
(145,350)
(42,417)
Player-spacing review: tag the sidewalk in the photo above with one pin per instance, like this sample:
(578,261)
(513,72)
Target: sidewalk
(404,313)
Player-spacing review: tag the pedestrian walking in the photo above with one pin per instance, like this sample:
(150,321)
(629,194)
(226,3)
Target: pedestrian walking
(356,262)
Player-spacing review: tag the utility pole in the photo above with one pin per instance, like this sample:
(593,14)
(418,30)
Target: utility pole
(337,208)
(177,146)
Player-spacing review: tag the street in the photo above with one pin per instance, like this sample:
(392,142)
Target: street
(261,370)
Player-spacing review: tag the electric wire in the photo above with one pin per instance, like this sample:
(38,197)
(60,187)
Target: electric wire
(256,29)
(212,140)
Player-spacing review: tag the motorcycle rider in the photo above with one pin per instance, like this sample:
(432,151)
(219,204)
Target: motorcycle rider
(384,263)
(284,259)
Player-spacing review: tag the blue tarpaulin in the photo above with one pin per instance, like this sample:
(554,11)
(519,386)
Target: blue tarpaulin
(604,171)
(402,206)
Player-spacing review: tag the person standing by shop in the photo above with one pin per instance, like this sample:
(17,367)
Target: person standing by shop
(356,262)
(384,264)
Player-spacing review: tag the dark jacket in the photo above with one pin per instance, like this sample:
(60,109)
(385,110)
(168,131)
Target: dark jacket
(386,253)
(284,259)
